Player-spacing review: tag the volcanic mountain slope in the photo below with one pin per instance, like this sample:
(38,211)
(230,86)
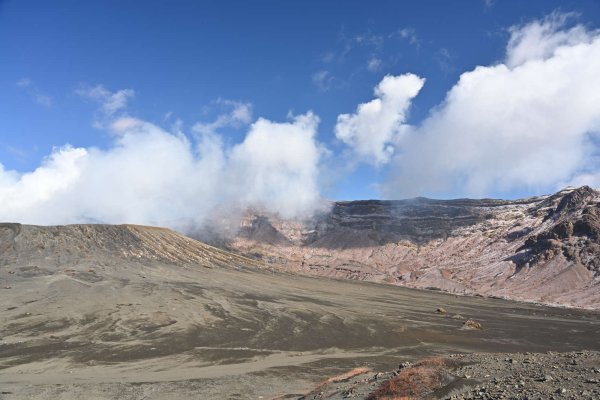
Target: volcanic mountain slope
(99,245)
(544,249)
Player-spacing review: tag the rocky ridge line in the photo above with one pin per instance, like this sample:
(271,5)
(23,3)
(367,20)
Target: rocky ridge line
(543,249)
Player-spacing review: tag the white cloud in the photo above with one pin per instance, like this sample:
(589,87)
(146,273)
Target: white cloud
(375,125)
(585,178)
(152,176)
(239,115)
(374,64)
(323,80)
(110,102)
(408,34)
(369,39)
(524,124)
(31,190)
(539,40)
(369,47)
(277,165)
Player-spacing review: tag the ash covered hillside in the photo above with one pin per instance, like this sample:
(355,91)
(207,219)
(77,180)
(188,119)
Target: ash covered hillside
(51,249)
(544,249)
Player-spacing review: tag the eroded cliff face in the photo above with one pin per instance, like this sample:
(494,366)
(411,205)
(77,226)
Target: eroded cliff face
(544,249)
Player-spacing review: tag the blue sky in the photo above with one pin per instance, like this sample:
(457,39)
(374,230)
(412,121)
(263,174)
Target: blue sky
(188,61)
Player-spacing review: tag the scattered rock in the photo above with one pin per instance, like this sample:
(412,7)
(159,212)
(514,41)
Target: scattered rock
(403,365)
(471,325)
(484,376)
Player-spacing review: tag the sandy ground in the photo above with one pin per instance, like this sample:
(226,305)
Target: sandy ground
(155,315)
(161,331)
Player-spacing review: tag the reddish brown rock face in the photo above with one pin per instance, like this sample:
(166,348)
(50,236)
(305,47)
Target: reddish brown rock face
(543,249)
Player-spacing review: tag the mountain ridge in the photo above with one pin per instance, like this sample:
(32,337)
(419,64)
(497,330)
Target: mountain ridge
(543,249)
(96,244)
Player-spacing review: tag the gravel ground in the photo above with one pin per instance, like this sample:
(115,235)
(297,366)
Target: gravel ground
(573,375)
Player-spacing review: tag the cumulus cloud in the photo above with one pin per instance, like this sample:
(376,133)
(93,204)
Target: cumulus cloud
(539,40)
(375,125)
(277,165)
(28,191)
(528,123)
(150,175)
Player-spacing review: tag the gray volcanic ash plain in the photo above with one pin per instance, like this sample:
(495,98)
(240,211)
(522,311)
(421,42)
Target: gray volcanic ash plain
(113,312)
(543,249)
